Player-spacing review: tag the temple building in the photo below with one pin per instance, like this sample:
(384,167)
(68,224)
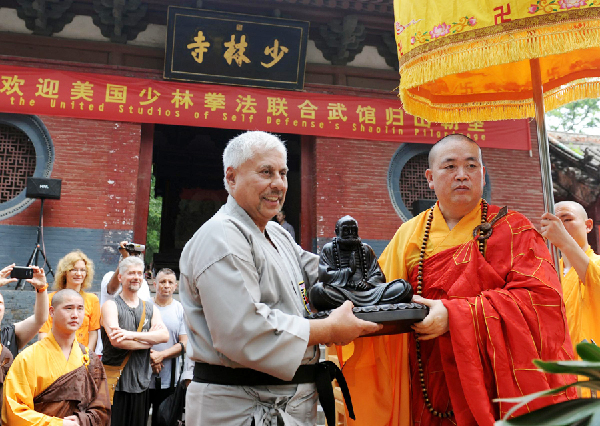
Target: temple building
(108,95)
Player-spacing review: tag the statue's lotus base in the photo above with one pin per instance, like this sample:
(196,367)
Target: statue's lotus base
(396,319)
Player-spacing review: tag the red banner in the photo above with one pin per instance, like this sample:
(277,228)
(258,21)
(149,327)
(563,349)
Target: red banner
(108,97)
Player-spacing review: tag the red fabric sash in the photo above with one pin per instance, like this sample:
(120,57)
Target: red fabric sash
(504,311)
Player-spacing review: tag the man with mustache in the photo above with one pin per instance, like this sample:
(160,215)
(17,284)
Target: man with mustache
(243,290)
(57,381)
(494,300)
(130,327)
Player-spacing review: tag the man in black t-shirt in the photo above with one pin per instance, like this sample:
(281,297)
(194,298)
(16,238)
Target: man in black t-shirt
(121,320)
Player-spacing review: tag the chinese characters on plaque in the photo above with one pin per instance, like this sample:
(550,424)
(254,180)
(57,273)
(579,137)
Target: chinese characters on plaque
(228,48)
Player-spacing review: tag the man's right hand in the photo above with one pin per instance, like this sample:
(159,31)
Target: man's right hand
(345,326)
(554,230)
(122,250)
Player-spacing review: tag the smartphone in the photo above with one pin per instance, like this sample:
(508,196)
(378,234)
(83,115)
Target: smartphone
(21,272)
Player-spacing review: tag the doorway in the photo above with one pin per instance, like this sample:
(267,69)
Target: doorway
(188,172)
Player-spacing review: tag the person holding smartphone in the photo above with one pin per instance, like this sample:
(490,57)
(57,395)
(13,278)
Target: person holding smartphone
(13,337)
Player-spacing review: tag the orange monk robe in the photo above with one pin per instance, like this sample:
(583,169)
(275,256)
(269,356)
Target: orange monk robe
(34,371)
(582,302)
(504,311)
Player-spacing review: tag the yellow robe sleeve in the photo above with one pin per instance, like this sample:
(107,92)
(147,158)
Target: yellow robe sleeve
(590,300)
(32,371)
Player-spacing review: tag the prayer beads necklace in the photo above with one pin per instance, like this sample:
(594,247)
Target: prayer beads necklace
(481,242)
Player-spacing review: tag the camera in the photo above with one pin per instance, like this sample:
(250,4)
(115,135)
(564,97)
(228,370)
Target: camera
(21,272)
(134,248)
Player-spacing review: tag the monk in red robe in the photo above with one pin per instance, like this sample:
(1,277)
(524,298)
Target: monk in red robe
(495,305)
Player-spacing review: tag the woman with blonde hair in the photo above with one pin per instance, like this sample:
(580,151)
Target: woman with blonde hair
(76,271)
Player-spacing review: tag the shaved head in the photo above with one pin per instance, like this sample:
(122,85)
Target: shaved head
(60,296)
(575,220)
(574,207)
(438,146)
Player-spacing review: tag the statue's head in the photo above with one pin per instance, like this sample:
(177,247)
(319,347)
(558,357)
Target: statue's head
(346,228)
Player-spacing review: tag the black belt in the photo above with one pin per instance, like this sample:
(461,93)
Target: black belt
(321,374)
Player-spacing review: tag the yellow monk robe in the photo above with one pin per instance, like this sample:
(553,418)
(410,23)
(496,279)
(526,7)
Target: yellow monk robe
(379,373)
(34,370)
(582,300)
(391,387)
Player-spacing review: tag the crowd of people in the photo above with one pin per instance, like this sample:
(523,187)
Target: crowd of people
(495,304)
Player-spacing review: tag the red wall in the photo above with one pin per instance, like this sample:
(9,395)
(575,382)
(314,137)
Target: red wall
(352,179)
(89,154)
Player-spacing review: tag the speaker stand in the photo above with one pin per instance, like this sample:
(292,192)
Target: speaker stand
(38,249)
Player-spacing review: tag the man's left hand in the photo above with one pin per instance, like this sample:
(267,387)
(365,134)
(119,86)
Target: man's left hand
(119,335)
(435,323)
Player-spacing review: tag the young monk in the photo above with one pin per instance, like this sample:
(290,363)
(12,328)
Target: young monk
(57,381)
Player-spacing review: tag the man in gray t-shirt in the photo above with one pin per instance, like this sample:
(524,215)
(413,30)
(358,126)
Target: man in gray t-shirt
(121,319)
(165,357)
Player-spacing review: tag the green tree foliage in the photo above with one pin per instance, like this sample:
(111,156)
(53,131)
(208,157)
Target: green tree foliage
(153,230)
(576,116)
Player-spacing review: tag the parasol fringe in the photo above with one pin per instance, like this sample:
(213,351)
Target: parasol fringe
(494,50)
(501,110)
(491,51)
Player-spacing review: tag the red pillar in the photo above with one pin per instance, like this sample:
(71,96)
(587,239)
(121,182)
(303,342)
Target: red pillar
(308,181)
(142,199)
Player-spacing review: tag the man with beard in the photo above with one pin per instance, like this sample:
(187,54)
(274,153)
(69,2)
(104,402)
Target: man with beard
(242,289)
(494,301)
(130,327)
(57,381)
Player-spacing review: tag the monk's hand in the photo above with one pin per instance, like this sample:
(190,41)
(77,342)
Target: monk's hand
(5,275)
(345,326)
(352,262)
(554,230)
(39,278)
(435,323)
(71,421)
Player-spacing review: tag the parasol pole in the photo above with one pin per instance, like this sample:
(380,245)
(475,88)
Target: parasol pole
(543,147)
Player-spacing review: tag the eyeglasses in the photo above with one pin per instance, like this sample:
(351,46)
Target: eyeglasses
(81,271)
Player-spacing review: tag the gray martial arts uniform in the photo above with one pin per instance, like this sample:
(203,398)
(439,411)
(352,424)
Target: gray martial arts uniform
(244,308)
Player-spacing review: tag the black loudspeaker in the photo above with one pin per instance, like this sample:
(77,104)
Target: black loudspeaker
(43,188)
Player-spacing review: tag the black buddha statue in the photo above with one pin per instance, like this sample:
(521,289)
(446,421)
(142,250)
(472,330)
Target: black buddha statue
(348,270)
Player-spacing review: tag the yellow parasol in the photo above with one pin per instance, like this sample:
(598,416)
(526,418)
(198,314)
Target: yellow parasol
(478,60)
